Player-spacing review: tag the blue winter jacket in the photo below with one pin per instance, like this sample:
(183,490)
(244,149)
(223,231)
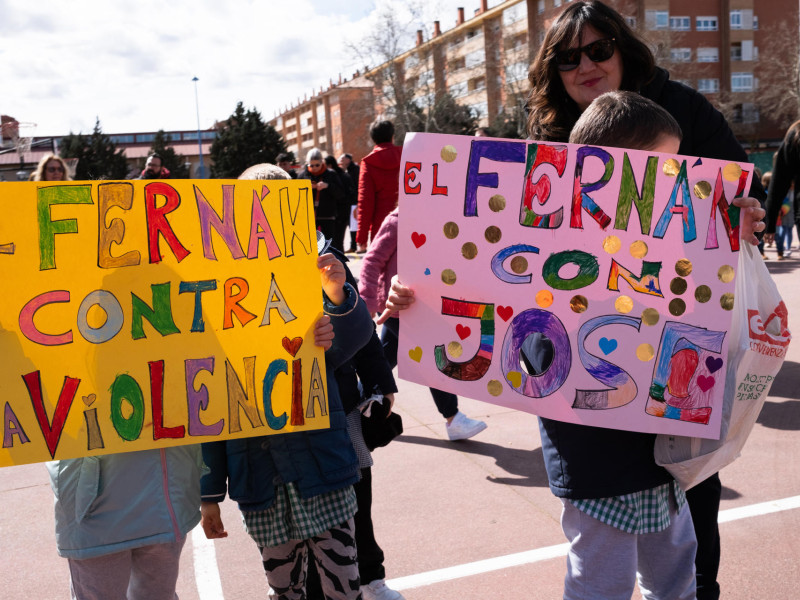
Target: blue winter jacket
(315,461)
(116,502)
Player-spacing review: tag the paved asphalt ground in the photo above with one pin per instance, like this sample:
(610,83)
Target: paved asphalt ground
(471,520)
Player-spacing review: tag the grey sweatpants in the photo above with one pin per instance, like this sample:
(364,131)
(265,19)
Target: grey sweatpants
(603,562)
(146,573)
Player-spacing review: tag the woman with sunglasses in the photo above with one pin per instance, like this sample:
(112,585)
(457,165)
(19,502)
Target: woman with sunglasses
(590,50)
(51,168)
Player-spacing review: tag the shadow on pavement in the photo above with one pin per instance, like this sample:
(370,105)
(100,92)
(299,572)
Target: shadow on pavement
(525,467)
(729,493)
(780,415)
(784,266)
(785,384)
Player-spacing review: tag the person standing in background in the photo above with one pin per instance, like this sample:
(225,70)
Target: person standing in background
(377,184)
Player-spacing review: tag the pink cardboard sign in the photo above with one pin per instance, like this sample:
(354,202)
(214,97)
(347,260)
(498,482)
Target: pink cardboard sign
(584,284)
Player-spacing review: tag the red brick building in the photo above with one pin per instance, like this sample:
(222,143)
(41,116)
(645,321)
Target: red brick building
(743,54)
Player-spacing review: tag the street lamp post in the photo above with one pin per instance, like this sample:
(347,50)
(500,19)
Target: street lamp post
(201,168)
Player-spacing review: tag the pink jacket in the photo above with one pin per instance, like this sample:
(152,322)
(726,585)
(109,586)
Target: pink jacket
(380,265)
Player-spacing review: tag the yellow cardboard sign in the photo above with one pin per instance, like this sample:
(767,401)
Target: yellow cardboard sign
(145,314)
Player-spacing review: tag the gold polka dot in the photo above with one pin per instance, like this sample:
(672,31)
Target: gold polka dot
(495,387)
(677,286)
(450,230)
(623,304)
(650,316)
(469,251)
(702,189)
(493,234)
(638,249)
(702,294)
(448,154)
(449,276)
(519,264)
(579,304)
(612,244)
(544,298)
(497,203)
(677,307)
(726,301)
(683,267)
(672,167)
(454,349)
(645,352)
(726,273)
(732,172)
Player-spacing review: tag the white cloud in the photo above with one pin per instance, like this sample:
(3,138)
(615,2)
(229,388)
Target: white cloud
(131,63)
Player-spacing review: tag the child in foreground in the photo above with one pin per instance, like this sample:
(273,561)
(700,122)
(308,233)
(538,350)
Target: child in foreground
(295,490)
(624,516)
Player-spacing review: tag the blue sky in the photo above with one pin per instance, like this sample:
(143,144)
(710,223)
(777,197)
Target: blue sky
(131,63)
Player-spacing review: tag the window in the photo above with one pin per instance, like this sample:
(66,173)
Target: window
(755,22)
(708,55)
(736,19)
(456,63)
(680,54)
(480,108)
(516,72)
(458,89)
(122,139)
(515,13)
(411,61)
(426,78)
(149,137)
(657,19)
(455,41)
(680,23)
(736,51)
(556,3)
(708,86)
(540,7)
(477,84)
(473,33)
(741,82)
(631,21)
(706,24)
(473,59)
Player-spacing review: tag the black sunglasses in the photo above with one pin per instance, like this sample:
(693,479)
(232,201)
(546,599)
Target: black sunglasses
(597,51)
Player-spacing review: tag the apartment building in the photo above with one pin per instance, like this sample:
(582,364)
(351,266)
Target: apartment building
(742,54)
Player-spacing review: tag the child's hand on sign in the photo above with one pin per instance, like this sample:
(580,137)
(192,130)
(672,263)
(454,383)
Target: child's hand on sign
(751,218)
(212,521)
(400,298)
(332,273)
(323,332)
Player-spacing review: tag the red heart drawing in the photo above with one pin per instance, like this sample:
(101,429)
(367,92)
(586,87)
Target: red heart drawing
(705,383)
(505,312)
(292,346)
(463,331)
(418,239)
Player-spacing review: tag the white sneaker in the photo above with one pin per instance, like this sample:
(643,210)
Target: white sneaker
(378,590)
(462,427)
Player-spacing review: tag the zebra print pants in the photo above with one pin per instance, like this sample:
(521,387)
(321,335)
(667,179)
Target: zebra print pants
(334,552)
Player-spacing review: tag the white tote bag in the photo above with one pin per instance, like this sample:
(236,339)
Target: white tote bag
(757,348)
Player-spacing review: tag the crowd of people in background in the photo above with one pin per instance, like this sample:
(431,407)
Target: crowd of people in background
(624,516)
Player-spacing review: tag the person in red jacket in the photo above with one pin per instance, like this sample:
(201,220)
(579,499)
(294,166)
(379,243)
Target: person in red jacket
(377,183)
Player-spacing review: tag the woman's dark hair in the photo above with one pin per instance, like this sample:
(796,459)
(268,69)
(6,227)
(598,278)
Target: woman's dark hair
(624,120)
(551,112)
(332,164)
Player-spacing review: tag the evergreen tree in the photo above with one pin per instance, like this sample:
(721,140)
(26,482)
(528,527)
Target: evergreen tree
(175,163)
(244,140)
(97,155)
